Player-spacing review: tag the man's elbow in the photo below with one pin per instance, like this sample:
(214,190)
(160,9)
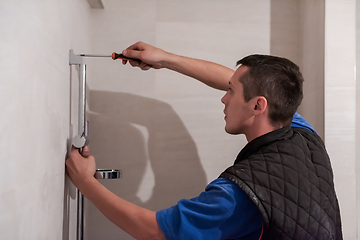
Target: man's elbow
(148,228)
(151,235)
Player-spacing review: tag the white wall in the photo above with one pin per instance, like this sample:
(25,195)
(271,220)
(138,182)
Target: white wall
(340,105)
(358,112)
(34,101)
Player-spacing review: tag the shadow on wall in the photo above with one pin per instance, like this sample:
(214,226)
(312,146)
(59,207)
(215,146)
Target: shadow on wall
(134,133)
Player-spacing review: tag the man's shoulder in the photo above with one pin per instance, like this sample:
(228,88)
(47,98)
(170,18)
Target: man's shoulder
(301,143)
(309,136)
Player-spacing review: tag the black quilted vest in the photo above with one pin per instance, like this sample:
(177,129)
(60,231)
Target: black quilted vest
(288,175)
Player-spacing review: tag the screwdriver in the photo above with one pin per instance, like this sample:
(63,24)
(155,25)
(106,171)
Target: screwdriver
(114,56)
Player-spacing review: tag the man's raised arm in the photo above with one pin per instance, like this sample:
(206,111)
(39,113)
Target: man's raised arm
(209,73)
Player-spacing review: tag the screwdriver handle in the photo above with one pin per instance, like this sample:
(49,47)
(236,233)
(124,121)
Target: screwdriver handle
(121,56)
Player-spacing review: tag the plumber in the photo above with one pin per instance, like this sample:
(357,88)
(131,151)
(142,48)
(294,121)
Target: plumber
(281,183)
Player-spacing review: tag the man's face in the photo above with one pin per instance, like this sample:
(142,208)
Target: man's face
(238,113)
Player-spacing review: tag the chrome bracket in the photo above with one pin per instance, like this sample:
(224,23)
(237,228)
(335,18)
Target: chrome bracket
(82,138)
(75,59)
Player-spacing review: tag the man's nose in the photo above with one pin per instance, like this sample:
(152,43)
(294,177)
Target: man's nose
(223,99)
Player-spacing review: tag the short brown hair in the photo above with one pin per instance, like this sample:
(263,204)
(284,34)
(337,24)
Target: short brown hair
(277,79)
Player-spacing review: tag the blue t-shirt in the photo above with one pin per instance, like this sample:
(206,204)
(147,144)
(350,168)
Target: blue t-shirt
(217,213)
(299,121)
(222,211)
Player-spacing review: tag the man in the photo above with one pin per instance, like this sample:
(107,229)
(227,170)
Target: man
(281,184)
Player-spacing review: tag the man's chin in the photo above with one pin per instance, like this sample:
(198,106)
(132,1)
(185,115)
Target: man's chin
(231,131)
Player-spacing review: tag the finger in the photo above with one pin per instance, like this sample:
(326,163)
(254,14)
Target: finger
(68,162)
(86,152)
(132,53)
(142,65)
(134,63)
(147,67)
(137,46)
(124,61)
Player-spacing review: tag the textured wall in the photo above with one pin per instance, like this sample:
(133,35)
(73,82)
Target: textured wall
(34,101)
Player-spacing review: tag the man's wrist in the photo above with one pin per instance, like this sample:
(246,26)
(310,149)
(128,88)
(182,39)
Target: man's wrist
(175,62)
(87,185)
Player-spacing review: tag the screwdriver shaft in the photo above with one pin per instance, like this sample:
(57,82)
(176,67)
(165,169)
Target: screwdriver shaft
(94,55)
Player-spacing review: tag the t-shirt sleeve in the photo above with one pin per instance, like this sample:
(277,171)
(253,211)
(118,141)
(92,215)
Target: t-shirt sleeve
(222,211)
(299,121)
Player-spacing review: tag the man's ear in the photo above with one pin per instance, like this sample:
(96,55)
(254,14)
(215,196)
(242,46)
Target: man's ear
(260,105)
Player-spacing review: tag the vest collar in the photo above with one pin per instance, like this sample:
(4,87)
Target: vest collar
(258,143)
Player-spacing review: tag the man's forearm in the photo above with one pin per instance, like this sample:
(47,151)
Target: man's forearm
(209,73)
(212,74)
(136,221)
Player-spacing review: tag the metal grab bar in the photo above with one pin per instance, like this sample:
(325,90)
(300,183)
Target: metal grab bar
(81,139)
(82,102)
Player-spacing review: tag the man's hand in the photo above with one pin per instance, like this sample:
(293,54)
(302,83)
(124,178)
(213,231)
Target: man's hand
(150,56)
(80,168)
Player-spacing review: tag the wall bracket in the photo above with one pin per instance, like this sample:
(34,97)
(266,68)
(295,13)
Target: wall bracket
(82,138)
